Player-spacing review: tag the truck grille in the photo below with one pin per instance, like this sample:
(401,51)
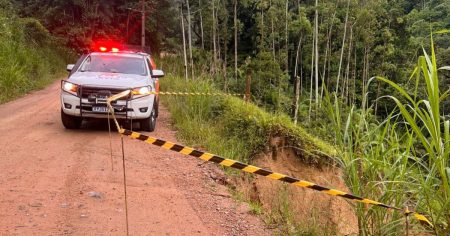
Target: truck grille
(86,92)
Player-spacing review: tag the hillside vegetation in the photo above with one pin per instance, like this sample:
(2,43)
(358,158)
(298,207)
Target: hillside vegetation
(233,127)
(230,127)
(401,160)
(30,57)
(369,77)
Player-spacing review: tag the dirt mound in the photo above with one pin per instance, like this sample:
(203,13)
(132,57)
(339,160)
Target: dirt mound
(307,209)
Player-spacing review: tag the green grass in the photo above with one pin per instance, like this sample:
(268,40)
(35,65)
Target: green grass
(232,128)
(402,160)
(255,207)
(425,123)
(29,57)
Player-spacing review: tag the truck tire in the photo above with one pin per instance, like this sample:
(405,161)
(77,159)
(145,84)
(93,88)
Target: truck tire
(70,122)
(149,124)
(156,105)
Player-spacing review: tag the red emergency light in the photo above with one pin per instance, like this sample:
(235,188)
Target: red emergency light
(106,46)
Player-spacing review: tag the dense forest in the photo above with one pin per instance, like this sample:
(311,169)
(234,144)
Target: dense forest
(362,75)
(291,47)
(30,56)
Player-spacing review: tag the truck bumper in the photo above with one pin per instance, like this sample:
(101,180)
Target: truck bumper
(134,108)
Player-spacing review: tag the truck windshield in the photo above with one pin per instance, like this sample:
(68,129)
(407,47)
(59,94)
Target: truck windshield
(114,64)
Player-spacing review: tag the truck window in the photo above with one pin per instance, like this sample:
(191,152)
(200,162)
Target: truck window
(114,64)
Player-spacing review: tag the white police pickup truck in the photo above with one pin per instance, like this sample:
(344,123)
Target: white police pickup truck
(99,75)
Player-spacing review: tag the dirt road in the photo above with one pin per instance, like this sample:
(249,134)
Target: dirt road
(59,182)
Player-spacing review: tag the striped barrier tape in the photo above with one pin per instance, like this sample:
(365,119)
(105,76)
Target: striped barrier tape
(196,94)
(254,169)
(260,171)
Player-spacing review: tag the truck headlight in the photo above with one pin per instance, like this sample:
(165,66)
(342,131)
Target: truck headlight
(142,91)
(69,87)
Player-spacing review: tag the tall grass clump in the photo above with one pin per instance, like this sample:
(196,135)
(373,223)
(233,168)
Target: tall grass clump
(402,160)
(30,57)
(426,123)
(229,126)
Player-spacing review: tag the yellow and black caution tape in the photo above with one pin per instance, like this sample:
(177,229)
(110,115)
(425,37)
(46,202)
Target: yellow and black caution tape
(255,170)
(260,171)
(196,94)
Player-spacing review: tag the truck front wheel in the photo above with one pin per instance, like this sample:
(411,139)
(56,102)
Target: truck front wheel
(149,124)
(70,122)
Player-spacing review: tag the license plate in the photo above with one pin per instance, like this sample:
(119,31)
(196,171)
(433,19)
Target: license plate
(99,109)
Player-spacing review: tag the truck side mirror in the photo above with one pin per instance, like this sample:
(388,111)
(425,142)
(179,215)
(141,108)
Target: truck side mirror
(157,73)
(70,67)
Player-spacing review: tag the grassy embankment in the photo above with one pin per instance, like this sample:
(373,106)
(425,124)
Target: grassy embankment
(401,160)
(30,58)
(232,128)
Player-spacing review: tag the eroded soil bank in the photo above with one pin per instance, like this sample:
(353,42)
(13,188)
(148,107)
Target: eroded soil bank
(310,209)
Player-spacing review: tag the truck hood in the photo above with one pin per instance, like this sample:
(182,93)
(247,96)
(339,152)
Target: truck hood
(103,79)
